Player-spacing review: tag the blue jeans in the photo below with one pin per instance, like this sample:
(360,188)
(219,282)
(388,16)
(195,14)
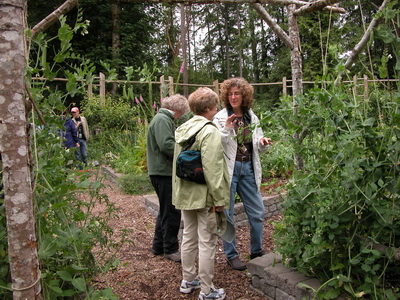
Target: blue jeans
(244,183)
(81,152)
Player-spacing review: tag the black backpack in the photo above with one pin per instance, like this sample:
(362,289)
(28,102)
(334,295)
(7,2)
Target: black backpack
(188,163)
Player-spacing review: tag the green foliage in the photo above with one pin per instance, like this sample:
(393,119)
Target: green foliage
(135,184)
(68,228)
(132,154)
(120,129)
(114,114)
(346,200)
(277,161)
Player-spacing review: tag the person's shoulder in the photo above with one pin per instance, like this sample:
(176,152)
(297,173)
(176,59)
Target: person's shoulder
(221,114)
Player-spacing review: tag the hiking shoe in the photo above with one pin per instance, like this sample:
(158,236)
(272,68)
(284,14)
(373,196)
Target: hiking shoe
(188,286)
(213,294)
(157,252)
(236,264)
(257,254)
(176,257)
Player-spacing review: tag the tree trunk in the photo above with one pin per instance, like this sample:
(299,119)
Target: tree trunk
(184,50)
(116,21)
(253,43)
(240,50)
(297,73)
(227,42)
(15,154)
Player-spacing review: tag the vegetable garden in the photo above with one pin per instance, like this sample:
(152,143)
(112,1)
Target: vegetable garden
(341,210)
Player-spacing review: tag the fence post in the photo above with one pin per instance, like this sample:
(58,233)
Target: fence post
(102,89)
(355,85)
(163,90)
(216,86)
(284,86)
(171,85)
(90,90)
(366,91)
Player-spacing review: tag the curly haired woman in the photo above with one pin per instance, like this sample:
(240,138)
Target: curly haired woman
(243,140)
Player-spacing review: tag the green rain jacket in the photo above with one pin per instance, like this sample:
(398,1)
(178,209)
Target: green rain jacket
(188,195)
(161,143)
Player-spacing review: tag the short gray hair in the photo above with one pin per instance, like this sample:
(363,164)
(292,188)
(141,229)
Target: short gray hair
(176,102)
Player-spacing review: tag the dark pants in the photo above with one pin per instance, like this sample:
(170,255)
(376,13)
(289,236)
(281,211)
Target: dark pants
(168,220)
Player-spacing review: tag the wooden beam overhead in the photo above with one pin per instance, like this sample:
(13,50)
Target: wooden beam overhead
(189,2)
(318,5)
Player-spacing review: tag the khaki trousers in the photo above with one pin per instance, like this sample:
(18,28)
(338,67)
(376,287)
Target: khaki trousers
(197,239)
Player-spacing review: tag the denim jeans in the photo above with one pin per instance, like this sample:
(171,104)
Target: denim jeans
(244,183)
(81,152)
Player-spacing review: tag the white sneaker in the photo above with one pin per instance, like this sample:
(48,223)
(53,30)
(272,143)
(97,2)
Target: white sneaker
(214,294)
(188,286)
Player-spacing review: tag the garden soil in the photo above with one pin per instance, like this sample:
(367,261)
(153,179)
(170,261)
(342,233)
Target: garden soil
(142,275)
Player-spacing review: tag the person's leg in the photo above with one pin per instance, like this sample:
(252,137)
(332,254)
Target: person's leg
(207,249)
(253,206)
(78,158)
(83,151)
(158,245)
(230,248)
(189,248)
(169,218)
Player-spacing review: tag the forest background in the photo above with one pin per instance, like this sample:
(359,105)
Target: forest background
(347,192)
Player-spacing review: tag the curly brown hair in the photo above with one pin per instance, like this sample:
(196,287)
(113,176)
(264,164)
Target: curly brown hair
(245,88)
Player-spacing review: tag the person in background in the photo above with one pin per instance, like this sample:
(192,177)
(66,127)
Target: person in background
(70,136)
(196,200)
(160,151)
(83,134)
(243,140)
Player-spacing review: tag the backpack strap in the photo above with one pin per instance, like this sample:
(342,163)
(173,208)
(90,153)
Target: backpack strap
(190,141)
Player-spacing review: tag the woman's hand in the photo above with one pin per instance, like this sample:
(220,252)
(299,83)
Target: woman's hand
(266,141)
(219,208)
(230,121)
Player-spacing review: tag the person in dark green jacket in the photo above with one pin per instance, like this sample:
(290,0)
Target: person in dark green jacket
(160,152)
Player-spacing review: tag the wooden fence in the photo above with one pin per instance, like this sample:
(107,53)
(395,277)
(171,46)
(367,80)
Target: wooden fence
(167,86)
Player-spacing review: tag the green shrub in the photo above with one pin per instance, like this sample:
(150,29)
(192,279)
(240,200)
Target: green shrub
(345,201)
(135,184)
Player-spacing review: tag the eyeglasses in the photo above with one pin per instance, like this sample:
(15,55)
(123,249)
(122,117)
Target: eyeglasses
(234,94)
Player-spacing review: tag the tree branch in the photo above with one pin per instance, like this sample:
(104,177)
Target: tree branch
(188,2)
(53,17)
(364,40)
(318,5)
(273,25)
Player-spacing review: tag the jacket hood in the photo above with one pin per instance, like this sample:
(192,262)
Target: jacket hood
(190,128)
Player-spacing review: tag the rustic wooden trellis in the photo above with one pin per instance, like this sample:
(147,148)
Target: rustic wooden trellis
(17,164)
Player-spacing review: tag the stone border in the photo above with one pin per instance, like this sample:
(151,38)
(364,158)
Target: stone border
(272,206)
(269,276)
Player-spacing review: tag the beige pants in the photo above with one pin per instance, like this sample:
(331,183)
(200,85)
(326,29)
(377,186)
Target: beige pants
(197,239)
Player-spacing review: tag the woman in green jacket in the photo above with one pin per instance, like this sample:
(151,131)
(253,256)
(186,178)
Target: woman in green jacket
(197,201)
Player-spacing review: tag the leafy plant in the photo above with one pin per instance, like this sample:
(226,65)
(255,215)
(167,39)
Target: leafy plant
(345,202)
(135,184)
(68,228)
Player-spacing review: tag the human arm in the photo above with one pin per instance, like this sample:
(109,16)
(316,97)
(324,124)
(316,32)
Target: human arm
(225,125)
(262,142)
(164,135)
